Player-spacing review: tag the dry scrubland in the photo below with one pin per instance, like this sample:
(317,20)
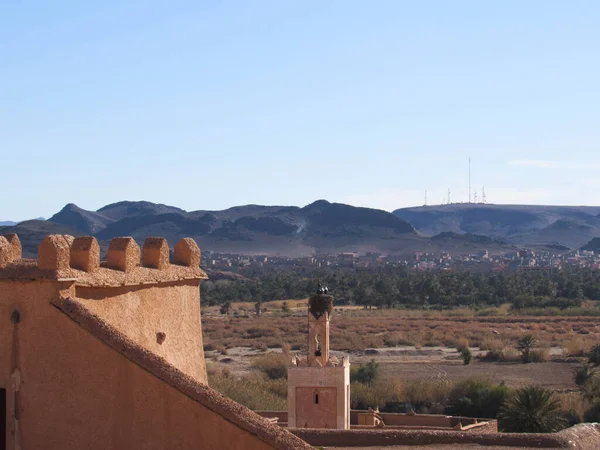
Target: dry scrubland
(356,329)
(416,352)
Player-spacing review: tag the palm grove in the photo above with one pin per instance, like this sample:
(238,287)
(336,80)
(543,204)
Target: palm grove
(400,287)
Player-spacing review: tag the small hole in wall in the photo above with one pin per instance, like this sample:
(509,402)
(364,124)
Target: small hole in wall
(15,316)
(160,337)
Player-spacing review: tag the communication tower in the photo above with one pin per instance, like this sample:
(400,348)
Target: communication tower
(469,179)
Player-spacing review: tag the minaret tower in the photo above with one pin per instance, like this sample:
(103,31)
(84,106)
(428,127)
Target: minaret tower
(319,385)
(320,307)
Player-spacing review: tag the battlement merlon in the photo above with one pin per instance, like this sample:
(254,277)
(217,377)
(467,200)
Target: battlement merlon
(10,249)
(65,258)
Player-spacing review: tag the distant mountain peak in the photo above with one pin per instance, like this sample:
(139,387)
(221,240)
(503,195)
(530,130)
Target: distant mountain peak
(126,208)
(86,222)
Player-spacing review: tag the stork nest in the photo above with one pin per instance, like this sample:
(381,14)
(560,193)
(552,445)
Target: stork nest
(320,304)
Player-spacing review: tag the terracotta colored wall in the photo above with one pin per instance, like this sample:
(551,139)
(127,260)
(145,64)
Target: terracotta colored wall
(76,392)
(316,415)
(140,312)
(314,377)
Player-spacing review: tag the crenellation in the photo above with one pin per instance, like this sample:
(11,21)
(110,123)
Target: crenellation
(15,243)
(123,254)
(85,254)
(5,252)
(155,253)
(10,249)
(54,252)
(187,253)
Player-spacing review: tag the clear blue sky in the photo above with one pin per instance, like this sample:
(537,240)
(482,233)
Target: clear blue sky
(211,104)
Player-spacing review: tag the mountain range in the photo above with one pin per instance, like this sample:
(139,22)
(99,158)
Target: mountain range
(328,227)
(561,227)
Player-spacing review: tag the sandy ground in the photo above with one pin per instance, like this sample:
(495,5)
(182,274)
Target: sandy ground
(432,363)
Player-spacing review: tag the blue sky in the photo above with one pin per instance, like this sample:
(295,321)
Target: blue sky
(211,104)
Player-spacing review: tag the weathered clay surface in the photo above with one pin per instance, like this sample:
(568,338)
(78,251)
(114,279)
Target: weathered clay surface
(187,253)
(16,248)
(236,414)
(85,254)
(5,252)
(54,252)
(142,311)
(123,254)
(91,373)
(155,253)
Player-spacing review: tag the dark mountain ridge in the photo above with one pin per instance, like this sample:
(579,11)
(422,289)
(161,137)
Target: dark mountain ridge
(331,227)
(524,225)
(86,222)
(251,229)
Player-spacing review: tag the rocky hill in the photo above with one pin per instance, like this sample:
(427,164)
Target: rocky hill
(329,227)
(523,225)
(251,229)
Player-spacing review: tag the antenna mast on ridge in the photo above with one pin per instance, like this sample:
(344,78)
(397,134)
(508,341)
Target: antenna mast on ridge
(449,197)
(469,179)
(425,197)
(483,197)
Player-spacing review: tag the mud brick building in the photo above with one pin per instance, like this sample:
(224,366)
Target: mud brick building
(109,355)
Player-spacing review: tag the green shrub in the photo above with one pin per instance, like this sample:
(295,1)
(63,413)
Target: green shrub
(583,374)
(364,396)
(594,355)
(475,397)
(365,373)
(225,307)
(466,356)
(274,365)
(593,413)
(571,418)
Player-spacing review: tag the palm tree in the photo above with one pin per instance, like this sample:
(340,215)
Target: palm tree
(525,345)
(532,409)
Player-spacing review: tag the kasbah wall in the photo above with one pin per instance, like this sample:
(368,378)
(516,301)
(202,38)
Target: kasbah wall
(111,357)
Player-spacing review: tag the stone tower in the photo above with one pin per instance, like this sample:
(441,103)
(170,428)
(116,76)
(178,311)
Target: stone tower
(319,386)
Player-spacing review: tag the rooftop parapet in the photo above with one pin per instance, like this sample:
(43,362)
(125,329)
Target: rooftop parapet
(85,254)
(10,249)
(155,253)
(65,258)
(187,253)
(54,253)
(123,254)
